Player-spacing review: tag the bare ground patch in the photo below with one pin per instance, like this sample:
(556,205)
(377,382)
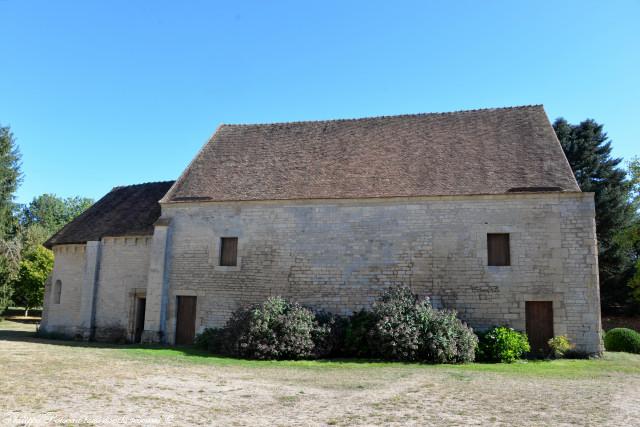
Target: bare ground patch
(50,382)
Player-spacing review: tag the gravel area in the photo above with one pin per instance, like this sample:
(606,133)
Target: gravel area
(55,382)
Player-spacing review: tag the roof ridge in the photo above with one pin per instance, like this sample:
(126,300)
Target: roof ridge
(354,119)
(118,187)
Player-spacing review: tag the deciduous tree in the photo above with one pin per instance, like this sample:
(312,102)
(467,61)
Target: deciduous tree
(49,213)
(34,269)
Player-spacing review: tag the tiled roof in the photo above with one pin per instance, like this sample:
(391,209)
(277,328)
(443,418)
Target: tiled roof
(124,211)
(491,151)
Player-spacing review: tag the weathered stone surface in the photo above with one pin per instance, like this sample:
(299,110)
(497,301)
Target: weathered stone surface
(69,268)
(122,266)
(338,256)
(157,284)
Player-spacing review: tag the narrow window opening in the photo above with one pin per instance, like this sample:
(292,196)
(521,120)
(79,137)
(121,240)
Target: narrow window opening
(229,251)
(57,292)
(498,251)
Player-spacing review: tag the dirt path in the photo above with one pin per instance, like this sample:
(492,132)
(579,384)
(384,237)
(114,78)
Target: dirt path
(51,382)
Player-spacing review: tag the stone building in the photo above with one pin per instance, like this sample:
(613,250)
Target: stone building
(477,209)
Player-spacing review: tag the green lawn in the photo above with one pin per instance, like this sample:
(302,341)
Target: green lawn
(611,362)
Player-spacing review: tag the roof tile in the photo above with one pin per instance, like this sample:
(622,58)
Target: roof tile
(125,211)
(488,151)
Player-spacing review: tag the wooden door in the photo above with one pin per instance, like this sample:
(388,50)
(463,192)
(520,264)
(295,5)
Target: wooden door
(186,320)
(539,325)
(141,304)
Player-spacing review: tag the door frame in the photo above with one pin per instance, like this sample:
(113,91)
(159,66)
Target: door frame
(171,322)
(140,315)
(177,313)
(528,326)
(559,312)
(133,295)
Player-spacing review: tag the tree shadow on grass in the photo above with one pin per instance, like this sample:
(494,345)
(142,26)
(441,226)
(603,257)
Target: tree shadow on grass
(19,331)
(187,352)
(11,332)
(66,341)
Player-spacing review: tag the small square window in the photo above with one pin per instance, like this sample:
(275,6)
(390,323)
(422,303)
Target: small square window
(498,249)
(229,251)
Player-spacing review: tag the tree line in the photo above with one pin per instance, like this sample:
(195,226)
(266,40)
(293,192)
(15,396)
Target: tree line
(24,263)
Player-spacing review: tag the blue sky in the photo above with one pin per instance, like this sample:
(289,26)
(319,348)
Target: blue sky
(109,93)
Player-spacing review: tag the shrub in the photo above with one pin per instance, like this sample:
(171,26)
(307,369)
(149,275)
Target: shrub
(275,329)
(400,327)
(560,346)
(395,333)
(407,328)
(213,340)
(357,334)
(330,337)
(622,339)
(445,339)
(502,344)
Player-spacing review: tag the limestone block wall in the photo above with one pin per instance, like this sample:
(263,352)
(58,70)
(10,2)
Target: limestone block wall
(68,268)
(338,255)
(124,264)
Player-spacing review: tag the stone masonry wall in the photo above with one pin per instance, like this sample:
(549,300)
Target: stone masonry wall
(124,265)
(338,255)
(69,269)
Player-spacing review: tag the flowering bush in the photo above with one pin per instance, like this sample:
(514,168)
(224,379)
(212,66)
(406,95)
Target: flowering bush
(275,329)
(407,328)
(399,327)
(560,346)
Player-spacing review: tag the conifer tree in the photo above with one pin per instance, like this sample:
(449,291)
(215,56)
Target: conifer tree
(588,151)
(10,248)
(10,177)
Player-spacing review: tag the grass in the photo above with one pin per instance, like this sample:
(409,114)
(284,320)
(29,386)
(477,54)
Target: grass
(189,386)
(611,362)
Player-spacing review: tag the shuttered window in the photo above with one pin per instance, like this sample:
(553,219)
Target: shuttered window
(498,249)
(229,251)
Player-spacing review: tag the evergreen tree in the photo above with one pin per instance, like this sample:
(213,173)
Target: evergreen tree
(588,150)
(634,183)
(10,177)
(10,245)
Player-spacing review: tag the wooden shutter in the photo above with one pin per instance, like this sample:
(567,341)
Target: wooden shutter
(229,251)
(498,249)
